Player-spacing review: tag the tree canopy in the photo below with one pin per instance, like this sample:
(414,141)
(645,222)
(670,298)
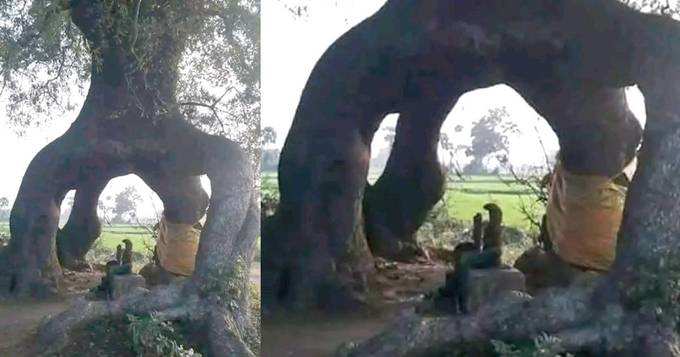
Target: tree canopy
(46,61)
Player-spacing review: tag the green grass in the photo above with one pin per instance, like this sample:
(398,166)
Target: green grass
(466,197)
(463,206)
(114,235)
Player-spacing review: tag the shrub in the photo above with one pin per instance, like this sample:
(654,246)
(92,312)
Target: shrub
(152,337)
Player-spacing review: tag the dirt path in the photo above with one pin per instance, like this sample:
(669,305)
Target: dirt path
(19,320)
(318,335)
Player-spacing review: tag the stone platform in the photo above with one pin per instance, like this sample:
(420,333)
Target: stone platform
(123,284)
(488,283)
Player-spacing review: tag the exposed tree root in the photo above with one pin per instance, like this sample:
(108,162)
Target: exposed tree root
(566,314)
(226,331)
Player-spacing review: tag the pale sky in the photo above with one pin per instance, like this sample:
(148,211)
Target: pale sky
(291,46)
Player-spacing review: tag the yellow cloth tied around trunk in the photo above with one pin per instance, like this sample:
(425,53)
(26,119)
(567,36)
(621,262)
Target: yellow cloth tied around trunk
(176,247)
(584,215)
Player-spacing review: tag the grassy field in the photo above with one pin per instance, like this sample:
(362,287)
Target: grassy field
(466,197)
(114,235)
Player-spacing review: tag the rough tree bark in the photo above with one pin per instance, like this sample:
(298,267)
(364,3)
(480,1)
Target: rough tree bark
(597,132)
(631,311)
(559,55)
(411,184)
(390,64)
(130,123)
(83,227)
(184,199)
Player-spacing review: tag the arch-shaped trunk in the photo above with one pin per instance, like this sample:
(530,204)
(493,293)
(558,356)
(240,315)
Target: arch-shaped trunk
(440,52)
(411,184)
(83,227)
(130,123)
(562,52)
(184,199)
(33,267)
(597,132)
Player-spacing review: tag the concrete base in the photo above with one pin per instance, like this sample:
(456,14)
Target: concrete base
(124,284)
(485,284)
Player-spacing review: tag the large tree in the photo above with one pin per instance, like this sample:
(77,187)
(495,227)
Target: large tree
(4,204)
(489,136)
(172,94)
(571,60)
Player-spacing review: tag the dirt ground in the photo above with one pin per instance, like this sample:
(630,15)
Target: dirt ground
(19,320)
(317,335)
(311,334)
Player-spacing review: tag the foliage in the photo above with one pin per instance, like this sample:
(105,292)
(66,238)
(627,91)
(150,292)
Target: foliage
(661,7)
(489,137)
(536,180)
(377,164)
(4,209)
(270,160)
(544,345)
(225,55)
(46,61)
(448,222)
(451,165)
(657,289)
(152,337)
(125,205)
(255,317)
(439,227)
(269,197)
(270,156)
(104,249)
(267,136)
(225,281)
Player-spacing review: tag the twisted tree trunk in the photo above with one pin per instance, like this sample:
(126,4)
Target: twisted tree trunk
(33,268)
(574,76)
(83,227)
(631,311)
(411,184)
(559,56)
(130,123)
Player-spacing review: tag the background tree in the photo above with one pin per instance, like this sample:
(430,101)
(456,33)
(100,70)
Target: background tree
(4,208)
(161,78)
(668,8)
(268,136)
(451,165)
(489,137)
(125,205)
(378,163)
(270,156)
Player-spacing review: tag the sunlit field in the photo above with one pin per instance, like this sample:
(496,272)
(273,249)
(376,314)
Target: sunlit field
(112,235)
(465,196)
